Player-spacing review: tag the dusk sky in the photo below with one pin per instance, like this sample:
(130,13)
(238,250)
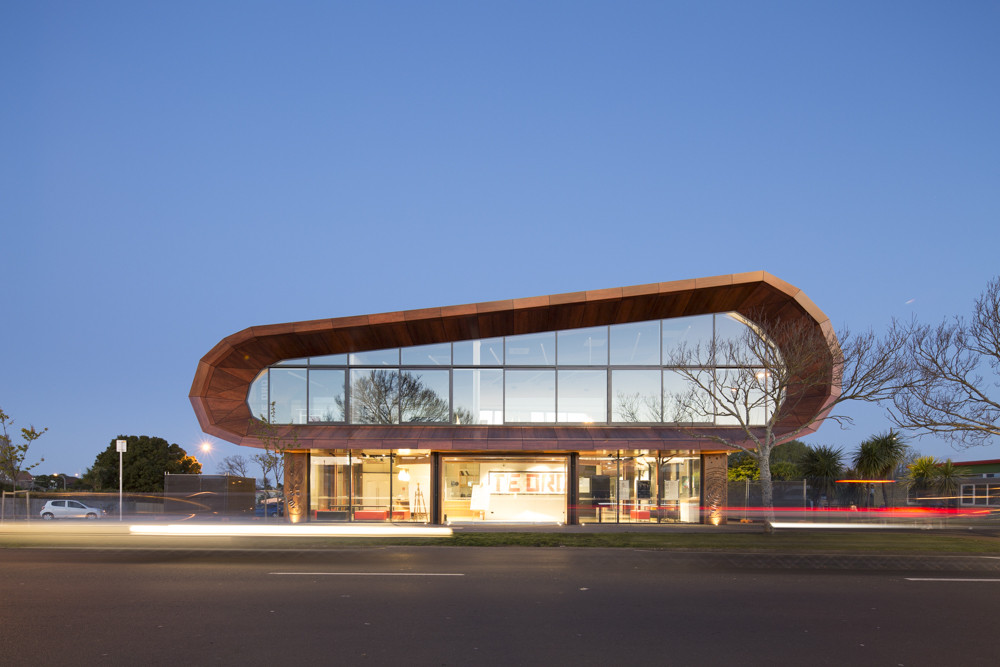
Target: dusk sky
(172,173)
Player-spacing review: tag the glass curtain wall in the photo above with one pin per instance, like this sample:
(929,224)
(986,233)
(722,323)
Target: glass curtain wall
(639,486)
(623,373)
(623,486)
(530,489)
(330,485)
(372,485)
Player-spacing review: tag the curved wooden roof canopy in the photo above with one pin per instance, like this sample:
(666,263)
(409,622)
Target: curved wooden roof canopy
(224,375)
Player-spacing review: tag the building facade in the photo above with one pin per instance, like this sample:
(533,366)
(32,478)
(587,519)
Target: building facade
(560,409)
(980,488)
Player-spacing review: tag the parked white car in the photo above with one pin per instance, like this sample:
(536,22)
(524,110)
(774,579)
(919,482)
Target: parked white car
(70,509)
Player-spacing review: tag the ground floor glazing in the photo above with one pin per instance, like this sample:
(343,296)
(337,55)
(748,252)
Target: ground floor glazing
(613,486)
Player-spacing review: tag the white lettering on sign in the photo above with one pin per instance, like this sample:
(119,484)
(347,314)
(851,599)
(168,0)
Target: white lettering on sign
(541,483)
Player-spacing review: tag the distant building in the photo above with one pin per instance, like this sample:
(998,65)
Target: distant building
(546,409)
(981,487)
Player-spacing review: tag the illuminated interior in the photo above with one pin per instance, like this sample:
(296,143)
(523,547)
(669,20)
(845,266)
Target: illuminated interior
(624,486)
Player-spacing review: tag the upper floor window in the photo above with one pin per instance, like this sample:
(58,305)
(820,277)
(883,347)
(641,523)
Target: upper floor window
(595,375)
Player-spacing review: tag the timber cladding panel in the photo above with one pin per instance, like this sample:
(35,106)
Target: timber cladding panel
(223,376)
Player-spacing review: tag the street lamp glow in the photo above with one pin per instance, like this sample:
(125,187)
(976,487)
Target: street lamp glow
(206,447)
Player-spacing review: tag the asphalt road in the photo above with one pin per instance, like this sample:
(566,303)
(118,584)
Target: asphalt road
(488,606)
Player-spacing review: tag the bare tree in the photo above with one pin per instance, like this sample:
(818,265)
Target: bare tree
(954,367)
(753,382)
(387,396)
(635,407)
(12,455)
(272,459)
(236,465)
(271,465)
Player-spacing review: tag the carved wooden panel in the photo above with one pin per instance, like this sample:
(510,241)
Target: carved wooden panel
(715,489)
(297,486)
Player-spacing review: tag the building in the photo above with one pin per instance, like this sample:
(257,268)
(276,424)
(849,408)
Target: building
(980,487)
(546,409)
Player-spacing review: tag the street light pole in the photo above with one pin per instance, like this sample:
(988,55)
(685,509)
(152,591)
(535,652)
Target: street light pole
(122,447)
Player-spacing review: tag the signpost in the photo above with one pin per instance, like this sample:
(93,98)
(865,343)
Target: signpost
(122,448)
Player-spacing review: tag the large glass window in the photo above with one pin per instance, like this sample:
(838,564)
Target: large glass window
(291,362)
(530,396)
(639,486)
(427,355)
(741,397)
(731,340)
(687,340)
(532,349)
(635,344)
(288,395)
(326,395)
(583,347)
(583,397)
(257,399)
(635,396)
(483,352)
(504,489)
(478,396)
(423,395)
(330,485)
(329,360)
(376,358)
(684,402)
(370,485)
(634,372)
(374,396)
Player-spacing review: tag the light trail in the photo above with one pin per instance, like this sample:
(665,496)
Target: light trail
(308,530)
(851,526)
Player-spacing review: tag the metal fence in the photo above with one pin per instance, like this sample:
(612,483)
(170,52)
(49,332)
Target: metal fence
(745,497)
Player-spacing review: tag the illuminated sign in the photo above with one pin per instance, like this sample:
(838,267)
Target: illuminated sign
(540,483)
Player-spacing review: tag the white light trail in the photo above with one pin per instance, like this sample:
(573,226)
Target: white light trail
(307,530)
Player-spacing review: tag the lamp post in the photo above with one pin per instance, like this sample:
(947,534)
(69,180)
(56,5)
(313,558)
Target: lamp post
(122,447)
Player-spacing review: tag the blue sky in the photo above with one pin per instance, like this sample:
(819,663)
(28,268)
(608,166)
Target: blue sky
(171,173)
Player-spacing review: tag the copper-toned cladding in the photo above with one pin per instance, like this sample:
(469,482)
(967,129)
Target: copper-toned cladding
(223,377)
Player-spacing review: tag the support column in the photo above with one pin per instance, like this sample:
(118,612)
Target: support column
(714,489)
(435,490)
(573,490)
(297,486)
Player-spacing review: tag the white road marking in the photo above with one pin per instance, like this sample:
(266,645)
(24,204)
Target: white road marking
(950,579)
